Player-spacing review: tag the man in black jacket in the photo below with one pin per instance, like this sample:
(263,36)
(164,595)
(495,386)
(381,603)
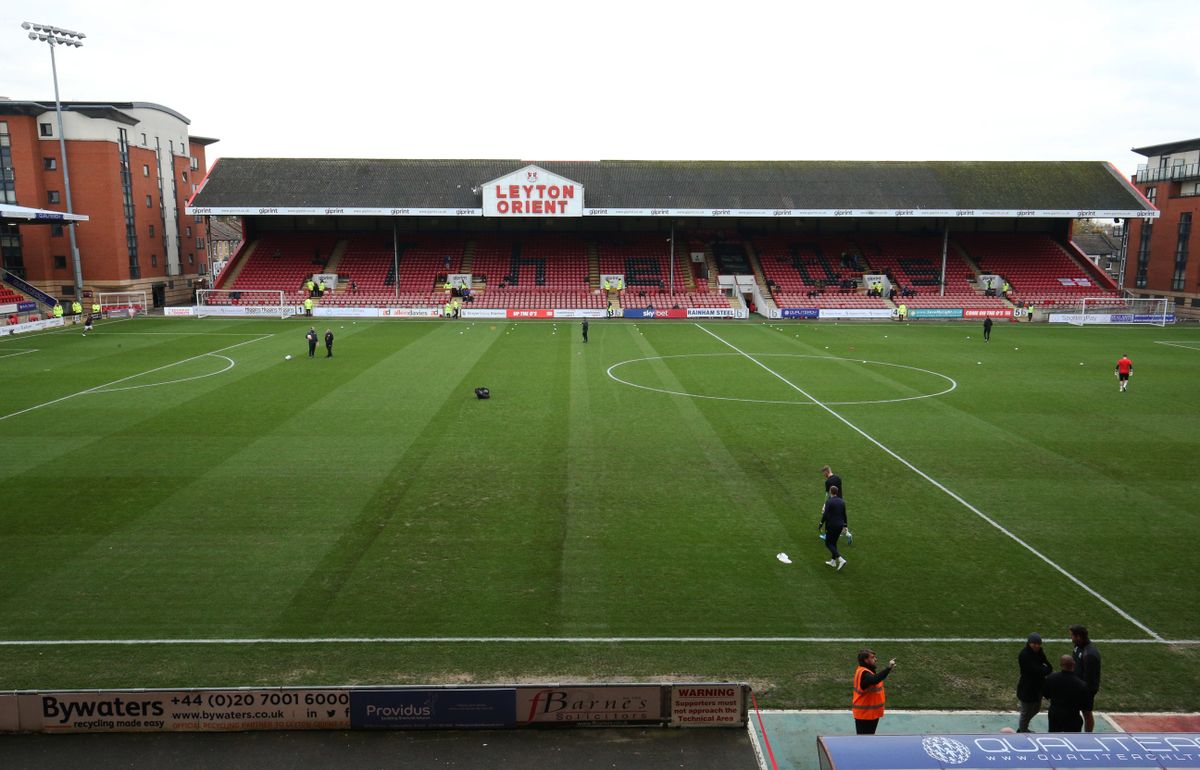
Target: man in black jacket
(1067,695)
(833,519)
(834,480)
(1034,670)
(1087,667)
(311,338)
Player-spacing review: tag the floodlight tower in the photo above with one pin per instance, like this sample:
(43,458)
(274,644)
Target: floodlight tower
(56,36)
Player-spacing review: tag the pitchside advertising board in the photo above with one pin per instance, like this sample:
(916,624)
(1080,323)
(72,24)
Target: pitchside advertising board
(689,705)
(179,711)
(32,326)
(972,752)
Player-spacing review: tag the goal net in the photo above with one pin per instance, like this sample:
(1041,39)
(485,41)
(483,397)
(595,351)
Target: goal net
(1123,311)
(243,302)
(122,304)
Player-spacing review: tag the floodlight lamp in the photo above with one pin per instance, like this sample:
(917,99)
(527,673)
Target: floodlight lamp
(25,25)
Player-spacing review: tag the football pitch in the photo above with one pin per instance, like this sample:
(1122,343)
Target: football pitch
(183,506)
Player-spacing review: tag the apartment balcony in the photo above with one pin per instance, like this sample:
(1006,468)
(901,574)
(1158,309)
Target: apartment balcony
(1178,173)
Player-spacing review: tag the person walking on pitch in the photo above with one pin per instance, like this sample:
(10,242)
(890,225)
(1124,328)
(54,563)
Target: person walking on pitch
(833,480)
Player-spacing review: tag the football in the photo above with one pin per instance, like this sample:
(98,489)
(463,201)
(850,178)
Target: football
(288,357)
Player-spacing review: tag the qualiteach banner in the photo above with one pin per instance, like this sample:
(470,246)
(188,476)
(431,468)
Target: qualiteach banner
(445,708)
(1031,750)
(717,312)
(935,312)
(799,312)
(854,312)
(483,312)
(531,313)
(179,311)
(599,704)
(25,307)
(185,710)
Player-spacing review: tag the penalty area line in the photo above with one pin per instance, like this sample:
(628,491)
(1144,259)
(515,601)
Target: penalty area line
(954,495)
(100,388)
(855,640)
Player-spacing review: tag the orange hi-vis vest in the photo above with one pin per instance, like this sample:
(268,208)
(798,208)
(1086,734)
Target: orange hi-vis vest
(868,703)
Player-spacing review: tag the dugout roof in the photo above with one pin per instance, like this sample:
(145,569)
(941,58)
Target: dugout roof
(27,214)
(1058,189)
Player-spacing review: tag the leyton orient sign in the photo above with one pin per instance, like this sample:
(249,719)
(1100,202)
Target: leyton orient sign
(532,192)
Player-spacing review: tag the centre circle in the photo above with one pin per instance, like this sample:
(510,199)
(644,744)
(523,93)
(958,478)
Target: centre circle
(802,399)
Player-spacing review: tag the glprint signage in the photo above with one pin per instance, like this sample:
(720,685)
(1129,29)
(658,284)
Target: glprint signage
(532,192)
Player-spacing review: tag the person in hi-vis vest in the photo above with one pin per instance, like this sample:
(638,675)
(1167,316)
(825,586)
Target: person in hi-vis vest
(868,696)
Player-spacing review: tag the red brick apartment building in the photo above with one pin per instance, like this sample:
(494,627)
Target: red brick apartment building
(132,168)
(1157,260)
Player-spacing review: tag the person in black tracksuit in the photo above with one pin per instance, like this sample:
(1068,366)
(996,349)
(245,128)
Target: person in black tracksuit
(1068,694)
(311,338)
(987,330)
(585,329)
(1034,670)
(833,519)
(329,343)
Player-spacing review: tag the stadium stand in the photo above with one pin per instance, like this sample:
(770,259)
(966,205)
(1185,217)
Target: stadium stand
(645,262)
(805,271)
(1038,268)
(533,271)
(914,263)
(282,262)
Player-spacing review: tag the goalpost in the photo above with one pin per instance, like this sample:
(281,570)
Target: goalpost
(243,302)
(1122,311)
(122,304)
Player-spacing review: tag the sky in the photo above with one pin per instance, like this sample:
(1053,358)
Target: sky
(620,79)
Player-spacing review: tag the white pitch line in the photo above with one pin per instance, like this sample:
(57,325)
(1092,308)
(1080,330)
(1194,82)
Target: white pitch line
(944,488)
(100,388)
(1179,344)
(857,640)
(19,353)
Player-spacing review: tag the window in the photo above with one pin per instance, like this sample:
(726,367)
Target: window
(149,202)
(56,230)
(1181,251)
(199,243)
(153,260)
(189,231)
(143,140)
(45,129)
(60,263)
(1143,254)
(49,164)
(1152,194)
(145,170)
(185,176)
(67,291)
(191,258)
(151,231)
(52,196)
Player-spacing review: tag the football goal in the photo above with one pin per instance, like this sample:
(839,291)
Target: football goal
(122,304)
(241,302)
(1122,310)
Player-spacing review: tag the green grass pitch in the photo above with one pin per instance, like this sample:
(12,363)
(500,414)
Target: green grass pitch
(613,512)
